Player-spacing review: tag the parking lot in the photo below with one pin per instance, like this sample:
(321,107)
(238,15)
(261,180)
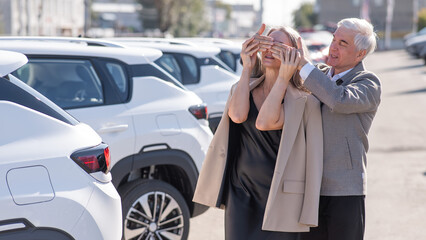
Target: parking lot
(146,160)
(396,200)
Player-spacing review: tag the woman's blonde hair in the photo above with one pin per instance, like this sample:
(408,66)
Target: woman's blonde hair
(293,35)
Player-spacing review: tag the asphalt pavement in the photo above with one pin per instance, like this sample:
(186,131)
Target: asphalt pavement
(396,198)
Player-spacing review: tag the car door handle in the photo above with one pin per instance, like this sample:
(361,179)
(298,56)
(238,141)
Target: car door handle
(113,128)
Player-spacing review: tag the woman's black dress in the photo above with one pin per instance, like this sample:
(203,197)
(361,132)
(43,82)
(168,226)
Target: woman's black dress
(252,161)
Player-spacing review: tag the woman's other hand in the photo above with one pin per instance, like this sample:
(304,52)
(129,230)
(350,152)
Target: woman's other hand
(290,59)
(253,45)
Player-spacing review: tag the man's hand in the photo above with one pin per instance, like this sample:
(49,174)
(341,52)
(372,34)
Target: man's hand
(301,50)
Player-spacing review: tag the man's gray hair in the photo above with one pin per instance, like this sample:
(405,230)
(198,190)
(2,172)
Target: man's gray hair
(365,38)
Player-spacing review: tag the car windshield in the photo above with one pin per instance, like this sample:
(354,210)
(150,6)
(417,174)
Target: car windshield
(64,115)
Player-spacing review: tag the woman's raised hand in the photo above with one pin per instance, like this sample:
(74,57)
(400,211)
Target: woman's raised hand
(290,59)
(252,45)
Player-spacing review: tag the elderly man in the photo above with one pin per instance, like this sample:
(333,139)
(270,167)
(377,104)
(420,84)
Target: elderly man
(350,96)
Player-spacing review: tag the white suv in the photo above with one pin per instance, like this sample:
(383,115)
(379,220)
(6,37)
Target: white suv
(156,129)
(229,51)
(55,181)
(197,67)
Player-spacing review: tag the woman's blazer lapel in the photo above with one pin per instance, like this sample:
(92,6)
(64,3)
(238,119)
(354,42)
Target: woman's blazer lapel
(294,106)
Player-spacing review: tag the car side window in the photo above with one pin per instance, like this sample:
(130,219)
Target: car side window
(169,63)
(119,76)
(228,58)
(192,65)
(145,70)
(190,68)
(70,83)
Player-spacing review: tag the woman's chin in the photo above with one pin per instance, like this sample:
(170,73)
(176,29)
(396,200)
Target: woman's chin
(269,60)
(271,64)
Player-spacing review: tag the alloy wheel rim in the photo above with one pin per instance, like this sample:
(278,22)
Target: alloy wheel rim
(154,216)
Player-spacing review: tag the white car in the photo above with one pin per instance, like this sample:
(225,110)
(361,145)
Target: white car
(197,67)
(415,45)
(156,129)
(229,51)
(55,181)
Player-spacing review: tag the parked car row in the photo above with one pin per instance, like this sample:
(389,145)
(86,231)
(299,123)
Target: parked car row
(318,43)
(415,44)
(157,131)
(105,138)
(196,66)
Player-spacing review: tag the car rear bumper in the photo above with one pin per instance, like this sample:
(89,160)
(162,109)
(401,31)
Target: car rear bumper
(103,212)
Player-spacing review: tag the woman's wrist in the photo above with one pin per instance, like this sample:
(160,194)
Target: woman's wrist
(283,79)
(302,63)
(247,70)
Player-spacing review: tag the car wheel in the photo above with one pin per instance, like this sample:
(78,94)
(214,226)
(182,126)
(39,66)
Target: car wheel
(153,210)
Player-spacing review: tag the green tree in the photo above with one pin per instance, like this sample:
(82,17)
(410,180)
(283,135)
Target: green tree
(227,7)
(421,19)
(305,17)
(178,17)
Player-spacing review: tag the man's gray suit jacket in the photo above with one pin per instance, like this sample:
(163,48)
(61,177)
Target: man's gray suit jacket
(348,108)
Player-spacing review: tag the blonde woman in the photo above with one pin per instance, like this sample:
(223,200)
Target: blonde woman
(264,164)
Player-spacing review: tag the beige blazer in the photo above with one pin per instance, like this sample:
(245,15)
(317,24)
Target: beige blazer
(293,200)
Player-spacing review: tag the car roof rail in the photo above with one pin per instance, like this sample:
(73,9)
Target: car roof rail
(87,41)
(171,41)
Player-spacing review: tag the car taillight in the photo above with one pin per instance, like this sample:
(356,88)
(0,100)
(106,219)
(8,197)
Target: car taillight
(199,111)
(95,159)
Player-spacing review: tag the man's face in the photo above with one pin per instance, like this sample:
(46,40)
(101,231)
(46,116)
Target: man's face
(343,54)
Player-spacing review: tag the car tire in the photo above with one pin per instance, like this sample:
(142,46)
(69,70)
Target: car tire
(138,200)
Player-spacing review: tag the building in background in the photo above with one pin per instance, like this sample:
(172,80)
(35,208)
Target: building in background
(42,17)
(245,20)
(241,23)
(331,11)
(115,18)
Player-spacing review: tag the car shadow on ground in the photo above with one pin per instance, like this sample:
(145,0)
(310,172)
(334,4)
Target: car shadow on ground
(423,90)
(400,68)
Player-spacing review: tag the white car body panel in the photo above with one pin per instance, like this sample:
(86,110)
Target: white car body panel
(214,88)
(116,127)
(10,61)
(71,195)
(40,183)
(151,112)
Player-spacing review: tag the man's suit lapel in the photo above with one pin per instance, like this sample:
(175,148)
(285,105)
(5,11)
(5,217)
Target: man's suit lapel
(350,75)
